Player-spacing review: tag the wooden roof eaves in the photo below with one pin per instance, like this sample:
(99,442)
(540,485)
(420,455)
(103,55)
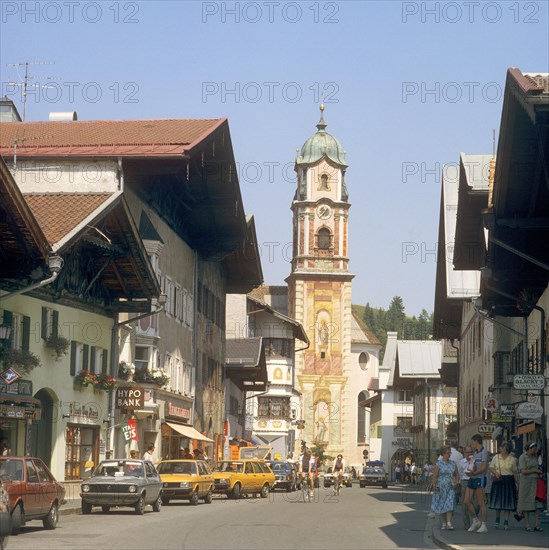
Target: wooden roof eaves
(23,211)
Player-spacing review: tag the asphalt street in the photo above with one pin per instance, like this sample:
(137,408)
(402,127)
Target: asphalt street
(367,518)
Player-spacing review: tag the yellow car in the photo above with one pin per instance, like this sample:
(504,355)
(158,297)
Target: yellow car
(234,477)
(186,480)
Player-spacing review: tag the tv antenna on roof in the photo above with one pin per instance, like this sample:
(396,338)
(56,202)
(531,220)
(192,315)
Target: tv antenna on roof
(25,79)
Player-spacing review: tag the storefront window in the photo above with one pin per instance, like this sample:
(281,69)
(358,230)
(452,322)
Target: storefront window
(81,451)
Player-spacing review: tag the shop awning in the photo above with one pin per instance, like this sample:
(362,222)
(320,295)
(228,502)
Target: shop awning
(526,427)
(189,431)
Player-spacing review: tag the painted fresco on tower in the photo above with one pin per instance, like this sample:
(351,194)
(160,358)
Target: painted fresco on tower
(321,423)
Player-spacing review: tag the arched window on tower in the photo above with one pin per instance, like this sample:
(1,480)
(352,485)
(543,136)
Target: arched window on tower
(324,238)
(324,182)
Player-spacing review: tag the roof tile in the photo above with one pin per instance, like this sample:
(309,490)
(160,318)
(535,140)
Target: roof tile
(106,137)
(59,213)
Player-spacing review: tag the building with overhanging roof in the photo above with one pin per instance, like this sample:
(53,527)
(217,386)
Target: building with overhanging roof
(179,179)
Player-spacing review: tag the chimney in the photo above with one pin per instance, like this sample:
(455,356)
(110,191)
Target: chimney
(63,116)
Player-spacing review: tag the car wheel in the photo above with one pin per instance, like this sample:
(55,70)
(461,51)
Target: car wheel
(17,520)
(86,507)
(165,500)
(264,493)
(194,498)
(237,490)
(209,497)
(157,505)
(105,509)
(140,506)
(50,521)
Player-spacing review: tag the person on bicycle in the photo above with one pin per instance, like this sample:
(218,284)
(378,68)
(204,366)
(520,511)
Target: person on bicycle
(338,467)
(305,469)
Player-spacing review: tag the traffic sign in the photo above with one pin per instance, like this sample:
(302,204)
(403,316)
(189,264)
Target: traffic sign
(529,382)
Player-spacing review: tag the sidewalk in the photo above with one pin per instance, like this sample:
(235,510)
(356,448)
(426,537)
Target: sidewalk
(516,538)
(72,506)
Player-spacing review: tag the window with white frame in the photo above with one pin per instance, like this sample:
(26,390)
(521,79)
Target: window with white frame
(404,396)
(142,357)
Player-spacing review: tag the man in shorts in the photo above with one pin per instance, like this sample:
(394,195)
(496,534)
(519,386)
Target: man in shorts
(475,486)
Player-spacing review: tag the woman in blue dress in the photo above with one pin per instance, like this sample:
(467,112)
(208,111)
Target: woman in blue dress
(444,495)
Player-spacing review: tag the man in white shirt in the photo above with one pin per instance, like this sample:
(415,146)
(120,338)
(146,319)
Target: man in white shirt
(148,455)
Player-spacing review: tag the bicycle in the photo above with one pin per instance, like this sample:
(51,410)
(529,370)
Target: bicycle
(305,488)
(337,483)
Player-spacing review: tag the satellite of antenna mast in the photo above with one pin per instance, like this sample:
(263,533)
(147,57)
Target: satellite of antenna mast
(25,84)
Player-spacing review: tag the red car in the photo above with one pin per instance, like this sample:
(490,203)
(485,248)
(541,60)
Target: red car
(33,491)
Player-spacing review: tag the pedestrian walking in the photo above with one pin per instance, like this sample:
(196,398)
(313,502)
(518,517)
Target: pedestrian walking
(477,482)
(503,496)
(529,473)
(445,478)
(148,455)
(413,471)
(464,464)
(397,473)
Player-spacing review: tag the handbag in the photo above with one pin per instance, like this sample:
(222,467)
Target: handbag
(541,490)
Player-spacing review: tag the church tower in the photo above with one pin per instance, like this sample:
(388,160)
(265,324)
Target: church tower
(319,289)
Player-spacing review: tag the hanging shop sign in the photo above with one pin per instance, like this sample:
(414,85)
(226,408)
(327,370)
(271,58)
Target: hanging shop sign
(9,376)
(529,410)
(486,429)
(491,404)
(129,398)
(507,410)
(529,382)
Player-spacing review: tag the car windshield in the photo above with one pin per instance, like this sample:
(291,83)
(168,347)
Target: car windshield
(374,472)
(280,467)
(229,467)
(120,468)
(177,468)
(11,469)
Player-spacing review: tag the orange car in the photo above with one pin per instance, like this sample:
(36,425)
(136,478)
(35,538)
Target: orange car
(33,491)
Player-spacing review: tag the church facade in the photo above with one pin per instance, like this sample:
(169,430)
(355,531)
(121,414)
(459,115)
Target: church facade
(334,372)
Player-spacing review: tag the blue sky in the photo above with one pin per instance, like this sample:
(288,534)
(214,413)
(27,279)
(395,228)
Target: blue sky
(407,87)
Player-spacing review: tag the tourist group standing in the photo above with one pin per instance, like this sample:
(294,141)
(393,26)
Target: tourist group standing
(514,485)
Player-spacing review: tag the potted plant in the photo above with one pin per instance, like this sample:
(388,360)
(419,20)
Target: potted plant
(84,377)
(105,381)
(21,360)
(126,371)
(152,376)
(526,302)
(59,344)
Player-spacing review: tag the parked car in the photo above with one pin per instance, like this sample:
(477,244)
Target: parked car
(5,517)
(347,477)
(33,491)
(285,475)
(373,476)
(122,482)
(186,480)
(234,477)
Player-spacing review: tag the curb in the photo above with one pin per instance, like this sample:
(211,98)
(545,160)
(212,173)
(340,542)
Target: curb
(440,541)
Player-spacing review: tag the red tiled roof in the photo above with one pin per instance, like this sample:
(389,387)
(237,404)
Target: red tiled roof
(531,82)
(59,213)
(168,137)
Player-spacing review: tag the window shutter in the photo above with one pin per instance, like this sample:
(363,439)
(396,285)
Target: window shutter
(26,333)
(105,361)
(85,358)
(74,350)
(44,328)
(92,359)
(55,327)
(8,321)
